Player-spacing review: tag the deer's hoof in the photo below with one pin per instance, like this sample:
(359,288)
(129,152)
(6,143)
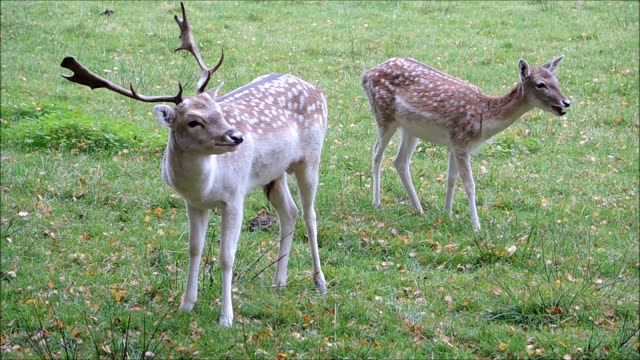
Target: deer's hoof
(226,321)
(278,287)
(187,302)
(279,282)
(321,285)
(186,306)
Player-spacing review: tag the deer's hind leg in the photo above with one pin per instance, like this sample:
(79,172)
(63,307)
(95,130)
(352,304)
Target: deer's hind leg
(279,196)
(307,178)
(385,133)
(402,163)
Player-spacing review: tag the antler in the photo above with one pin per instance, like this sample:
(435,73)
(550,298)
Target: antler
(188,43)
(81,75)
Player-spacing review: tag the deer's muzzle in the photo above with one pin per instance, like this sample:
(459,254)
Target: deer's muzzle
(234,136)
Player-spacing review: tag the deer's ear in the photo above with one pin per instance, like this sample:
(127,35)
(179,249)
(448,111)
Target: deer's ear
(209,96)
(214,93)
(523,69)
(165,114)
(551,65)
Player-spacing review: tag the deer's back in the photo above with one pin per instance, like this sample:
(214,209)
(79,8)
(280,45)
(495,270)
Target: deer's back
(274,104)
(422,87)
(424,99)
(284,120)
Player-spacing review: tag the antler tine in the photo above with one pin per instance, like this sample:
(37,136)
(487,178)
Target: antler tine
(83,76)
(204,79)
(188,43)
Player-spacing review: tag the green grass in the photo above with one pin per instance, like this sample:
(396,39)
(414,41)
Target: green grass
(94,245)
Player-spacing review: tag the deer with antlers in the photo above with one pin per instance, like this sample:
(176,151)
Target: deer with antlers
(221,147)
(433,106)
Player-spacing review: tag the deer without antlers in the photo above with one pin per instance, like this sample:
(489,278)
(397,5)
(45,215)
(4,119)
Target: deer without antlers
(430,105)
(220,148)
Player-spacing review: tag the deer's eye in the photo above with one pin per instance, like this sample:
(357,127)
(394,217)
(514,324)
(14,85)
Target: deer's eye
(193,124)
(541,85)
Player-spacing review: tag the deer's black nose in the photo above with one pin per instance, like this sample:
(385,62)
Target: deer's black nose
(566,102)
(235,136)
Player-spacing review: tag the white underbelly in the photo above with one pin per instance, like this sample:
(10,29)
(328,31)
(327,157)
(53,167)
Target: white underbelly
(421,124)
(425,129)
(267,167)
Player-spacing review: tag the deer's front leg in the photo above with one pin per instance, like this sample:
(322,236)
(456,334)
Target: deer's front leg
(198,221)
(463,160)
(452,176)
(231,226)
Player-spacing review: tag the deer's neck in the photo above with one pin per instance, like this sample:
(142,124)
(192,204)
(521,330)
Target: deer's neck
(505,110)
(189,174)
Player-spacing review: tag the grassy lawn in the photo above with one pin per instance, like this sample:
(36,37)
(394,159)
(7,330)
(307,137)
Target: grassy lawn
(94,245)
